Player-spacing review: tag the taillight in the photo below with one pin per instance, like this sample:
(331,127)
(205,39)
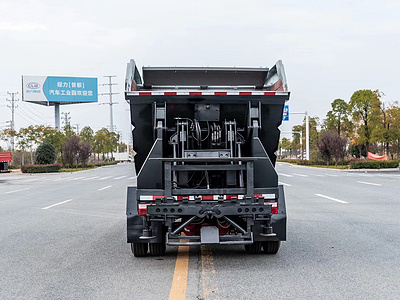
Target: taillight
(142,209)
(274,208)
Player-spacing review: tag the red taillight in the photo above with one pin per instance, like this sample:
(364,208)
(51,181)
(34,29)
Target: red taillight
(274,208)
(142,209)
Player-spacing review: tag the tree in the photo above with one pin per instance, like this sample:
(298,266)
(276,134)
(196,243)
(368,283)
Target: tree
(87,134)
(70,150)
(31,134)
(331,145)
(122,147)
(285,144)
(337,118)
(84,152)
(105,141)
(365,108)
(22,144)
(393,131)
(8,134)
(45,154)
(53,136)
(69,131)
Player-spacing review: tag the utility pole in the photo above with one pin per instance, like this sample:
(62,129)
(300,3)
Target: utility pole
(77,129)
(12,125)
(110,94)
(66,118)
(307,132)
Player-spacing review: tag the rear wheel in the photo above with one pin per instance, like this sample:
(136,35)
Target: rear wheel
(271,247)
(157,249)
(139,249)
(254,248)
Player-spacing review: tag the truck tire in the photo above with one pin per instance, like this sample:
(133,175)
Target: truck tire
(139,249)
(157,249)
(271,247)
(254,248)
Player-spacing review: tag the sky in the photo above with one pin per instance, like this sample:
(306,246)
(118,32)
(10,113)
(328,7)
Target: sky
(329,48)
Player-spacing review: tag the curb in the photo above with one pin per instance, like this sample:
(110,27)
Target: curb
(347,170)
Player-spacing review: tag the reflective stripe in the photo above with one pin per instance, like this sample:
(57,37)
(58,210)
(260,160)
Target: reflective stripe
(269,196)
(207,93)
(214,197)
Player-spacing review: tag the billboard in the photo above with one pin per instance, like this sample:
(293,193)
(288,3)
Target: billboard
(56,89)
(285,116)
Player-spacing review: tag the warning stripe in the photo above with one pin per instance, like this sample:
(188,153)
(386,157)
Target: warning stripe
(207,93)
(206,197)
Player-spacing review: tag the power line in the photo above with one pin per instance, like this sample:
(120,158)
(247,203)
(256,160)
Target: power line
(30,107)
(29,113)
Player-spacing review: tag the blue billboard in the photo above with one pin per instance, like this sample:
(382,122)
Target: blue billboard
(60,89)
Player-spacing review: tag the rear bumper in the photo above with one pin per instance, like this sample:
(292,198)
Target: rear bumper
(160,216)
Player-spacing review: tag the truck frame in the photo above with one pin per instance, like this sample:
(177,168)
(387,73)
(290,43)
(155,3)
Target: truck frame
(205,140)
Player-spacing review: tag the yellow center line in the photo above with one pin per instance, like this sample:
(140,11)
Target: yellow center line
(179,282)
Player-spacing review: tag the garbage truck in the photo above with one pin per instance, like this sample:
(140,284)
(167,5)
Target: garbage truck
(205,140)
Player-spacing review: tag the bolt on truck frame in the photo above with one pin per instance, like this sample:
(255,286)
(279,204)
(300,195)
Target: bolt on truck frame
(205,140)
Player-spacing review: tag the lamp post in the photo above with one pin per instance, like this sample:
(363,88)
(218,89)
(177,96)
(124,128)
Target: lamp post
(307,132)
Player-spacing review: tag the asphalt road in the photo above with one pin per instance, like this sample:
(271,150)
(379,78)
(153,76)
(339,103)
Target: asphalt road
(62,236)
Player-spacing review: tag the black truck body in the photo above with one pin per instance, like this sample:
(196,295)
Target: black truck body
(205,140)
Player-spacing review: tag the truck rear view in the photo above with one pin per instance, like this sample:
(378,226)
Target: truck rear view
(205,140)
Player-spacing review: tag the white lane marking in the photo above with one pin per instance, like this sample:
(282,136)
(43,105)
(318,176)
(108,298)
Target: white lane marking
(331,175)
(285,184)
(31,180)
(15,191)
(285,175)
(301,175)
(75,178)
(59,179)
(59,203)
(330,198)
(90,178)
(370,183)
(132,177)
(78,178)
(120,177)
(319,175)
(106,187)
(103,178)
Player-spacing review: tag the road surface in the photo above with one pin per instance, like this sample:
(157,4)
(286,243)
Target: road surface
(62,236)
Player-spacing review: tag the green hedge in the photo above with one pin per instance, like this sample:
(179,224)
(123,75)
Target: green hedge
(374,164)
(88,166)
(313,162)
(41,168)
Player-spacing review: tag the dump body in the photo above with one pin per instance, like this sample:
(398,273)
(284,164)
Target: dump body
(205,140)
(5,159)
